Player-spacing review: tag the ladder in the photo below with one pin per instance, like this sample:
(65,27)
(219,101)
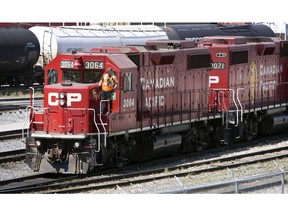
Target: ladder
(47,47)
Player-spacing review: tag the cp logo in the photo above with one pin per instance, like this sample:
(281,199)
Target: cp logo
(53,98)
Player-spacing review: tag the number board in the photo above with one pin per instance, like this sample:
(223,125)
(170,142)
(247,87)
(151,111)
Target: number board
(218,65)
(94,65)
(67,64)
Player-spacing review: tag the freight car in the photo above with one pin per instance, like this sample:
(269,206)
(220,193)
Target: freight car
(172,97)
(196,32)
(57,40)
(21,64)
(19,53)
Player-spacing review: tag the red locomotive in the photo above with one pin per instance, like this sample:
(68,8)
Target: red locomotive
(172,96)
(248,84)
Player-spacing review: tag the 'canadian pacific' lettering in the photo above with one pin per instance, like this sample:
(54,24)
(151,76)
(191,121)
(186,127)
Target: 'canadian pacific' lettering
(155,101)
(213,80)
(160,83)
(270,69)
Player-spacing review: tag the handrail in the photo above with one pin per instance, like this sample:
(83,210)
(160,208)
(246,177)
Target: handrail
(241,107)
(95,123)
(82,109)
(233,98)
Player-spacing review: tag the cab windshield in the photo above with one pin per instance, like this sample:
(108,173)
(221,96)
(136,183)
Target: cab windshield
(72,76)
(89,76)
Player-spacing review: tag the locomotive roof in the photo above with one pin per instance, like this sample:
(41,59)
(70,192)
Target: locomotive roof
(119,59)
(122,61)
(238,39)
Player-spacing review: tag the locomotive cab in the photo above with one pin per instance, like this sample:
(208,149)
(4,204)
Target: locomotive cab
(78,69)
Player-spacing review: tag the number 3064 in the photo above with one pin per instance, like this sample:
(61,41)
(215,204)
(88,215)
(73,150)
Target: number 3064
(128,103)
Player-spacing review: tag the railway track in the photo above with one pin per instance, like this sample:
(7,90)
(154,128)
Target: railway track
(10,104)
(20,90)
(11,134)
(122,178)
(23,182)
(12,156)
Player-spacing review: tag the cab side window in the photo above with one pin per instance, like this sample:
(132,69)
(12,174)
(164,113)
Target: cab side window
(52,76)
(128,82)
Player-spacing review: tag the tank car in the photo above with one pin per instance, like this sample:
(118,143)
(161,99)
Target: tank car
(19,52)
(58,40)
(196,32)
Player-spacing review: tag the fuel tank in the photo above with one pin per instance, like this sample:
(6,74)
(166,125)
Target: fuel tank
(166,144)
(19,48)
(274,124)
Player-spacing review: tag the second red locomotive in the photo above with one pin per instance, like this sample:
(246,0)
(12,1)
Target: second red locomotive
(172,96)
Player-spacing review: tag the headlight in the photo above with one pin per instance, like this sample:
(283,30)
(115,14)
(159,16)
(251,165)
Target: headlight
(62,95)
(62,102)
(76,145)
(38,143)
